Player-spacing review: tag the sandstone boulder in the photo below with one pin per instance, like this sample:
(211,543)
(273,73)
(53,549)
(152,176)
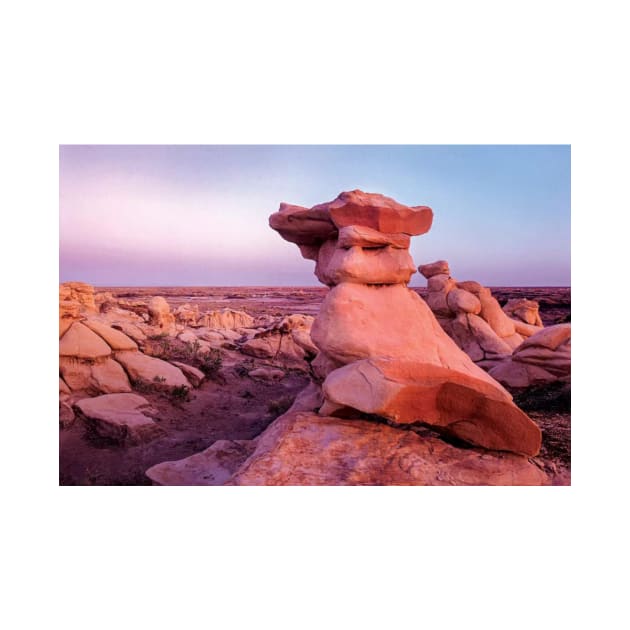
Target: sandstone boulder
(187,314)
(377,212)
(143,368)
(492,313)
(115,339)
(102,377)
(160,314)
(439,267)
(460,301)
(212,467)
(192,374)
(460,405)
(302,449)
(80,342)
(543,358)
(365,237)
(121,417)
(302,226)
(550,337)
(525,310)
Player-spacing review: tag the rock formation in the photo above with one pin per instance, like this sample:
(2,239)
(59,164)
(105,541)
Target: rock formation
(286,343)
(510,342)
(301,448)
(381,349)
(541,359)
(123,418)
(160,314)
(474,319)
(95,358)
(384,369)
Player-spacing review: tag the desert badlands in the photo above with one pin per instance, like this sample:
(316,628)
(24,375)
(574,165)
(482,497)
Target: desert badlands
(362,382)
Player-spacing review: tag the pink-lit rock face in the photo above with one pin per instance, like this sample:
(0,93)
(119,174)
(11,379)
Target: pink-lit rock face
(405,392)
(378,212)
(305,449)
(381,349)
(544,357)
(472,316)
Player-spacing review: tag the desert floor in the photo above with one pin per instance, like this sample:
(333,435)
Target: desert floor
(234,406)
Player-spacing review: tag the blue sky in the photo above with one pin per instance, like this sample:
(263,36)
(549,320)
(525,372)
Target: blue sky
(197,215)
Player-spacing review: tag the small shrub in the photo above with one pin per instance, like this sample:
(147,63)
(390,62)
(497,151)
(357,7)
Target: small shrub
(210,362)
(145,387)
(180,393)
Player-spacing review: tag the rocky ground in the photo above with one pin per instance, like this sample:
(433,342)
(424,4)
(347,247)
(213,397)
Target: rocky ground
(233,405)
(554,302)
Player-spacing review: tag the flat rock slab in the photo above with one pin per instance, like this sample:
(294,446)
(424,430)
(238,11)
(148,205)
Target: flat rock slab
(304,449)
(212,467)
(120,417)
(141,367)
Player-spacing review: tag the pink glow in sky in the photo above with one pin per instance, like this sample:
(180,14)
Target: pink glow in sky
(186,215)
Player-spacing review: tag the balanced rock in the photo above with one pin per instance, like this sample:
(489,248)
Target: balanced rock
(369,314)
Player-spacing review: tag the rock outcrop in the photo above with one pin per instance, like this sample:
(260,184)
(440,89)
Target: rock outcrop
(474,319)
(304,449)
(541,359)
(526,311)
(123,418)
(160,314)
(95,358)
(286,343)
(360,244)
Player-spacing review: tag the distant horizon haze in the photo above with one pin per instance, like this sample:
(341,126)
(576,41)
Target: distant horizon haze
(197,216)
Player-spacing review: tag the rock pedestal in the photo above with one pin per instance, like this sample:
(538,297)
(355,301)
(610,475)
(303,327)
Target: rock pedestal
(383,352)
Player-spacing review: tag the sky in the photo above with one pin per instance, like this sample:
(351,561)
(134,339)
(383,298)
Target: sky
(185,215)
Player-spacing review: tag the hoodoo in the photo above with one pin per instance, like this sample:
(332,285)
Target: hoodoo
(381,349)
